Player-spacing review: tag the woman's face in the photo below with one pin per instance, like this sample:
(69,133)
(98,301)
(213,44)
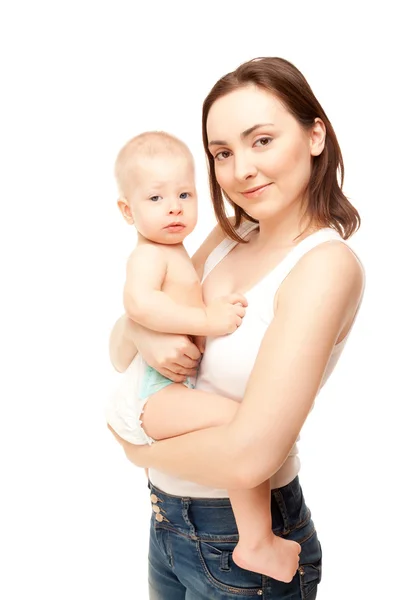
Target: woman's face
(262,156)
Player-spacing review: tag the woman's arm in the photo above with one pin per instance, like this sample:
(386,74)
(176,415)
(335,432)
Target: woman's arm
(174,356)
(315,307)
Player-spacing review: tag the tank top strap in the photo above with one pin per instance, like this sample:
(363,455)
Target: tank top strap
(225,247)
(279,274)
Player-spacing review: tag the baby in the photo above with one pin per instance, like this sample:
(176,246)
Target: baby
(156,181)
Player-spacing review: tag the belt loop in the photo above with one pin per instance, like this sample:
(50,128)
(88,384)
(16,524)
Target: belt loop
(186,502)
(224,563)
(282,509)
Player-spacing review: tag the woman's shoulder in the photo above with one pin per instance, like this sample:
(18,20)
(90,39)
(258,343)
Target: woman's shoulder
(333,257)
(328,271)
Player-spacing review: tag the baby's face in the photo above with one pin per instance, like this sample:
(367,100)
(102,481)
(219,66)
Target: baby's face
(164,200)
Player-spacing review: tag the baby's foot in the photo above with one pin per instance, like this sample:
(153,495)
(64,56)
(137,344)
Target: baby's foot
(274,557)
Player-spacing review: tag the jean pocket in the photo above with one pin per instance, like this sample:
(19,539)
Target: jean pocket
(223,573)
(310,577)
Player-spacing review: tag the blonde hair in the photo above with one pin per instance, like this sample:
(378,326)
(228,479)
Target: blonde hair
(146,144)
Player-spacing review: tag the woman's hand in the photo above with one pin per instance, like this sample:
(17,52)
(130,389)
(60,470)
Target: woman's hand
(174,356)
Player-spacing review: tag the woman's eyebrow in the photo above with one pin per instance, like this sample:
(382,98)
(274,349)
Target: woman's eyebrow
(243,135)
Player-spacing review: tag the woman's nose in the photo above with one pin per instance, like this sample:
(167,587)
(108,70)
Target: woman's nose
(244,167)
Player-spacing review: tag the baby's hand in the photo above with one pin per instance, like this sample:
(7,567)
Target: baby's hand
(224,315)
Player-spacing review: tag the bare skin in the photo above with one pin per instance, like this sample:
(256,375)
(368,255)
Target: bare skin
(163,292)
(176,410)
(265,149)
(258,549)
(264,144)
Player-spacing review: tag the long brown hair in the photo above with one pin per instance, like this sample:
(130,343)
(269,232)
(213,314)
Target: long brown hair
(327,204)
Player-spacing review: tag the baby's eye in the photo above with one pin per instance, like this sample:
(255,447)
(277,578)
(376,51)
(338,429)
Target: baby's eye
(184,195)
(155,198)
(222,155)
(264,141)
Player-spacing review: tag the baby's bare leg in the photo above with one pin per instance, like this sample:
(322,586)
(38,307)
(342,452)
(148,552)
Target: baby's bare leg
(259,549)
(177,409)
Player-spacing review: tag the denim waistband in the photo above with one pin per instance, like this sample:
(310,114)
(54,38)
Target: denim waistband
(210,517)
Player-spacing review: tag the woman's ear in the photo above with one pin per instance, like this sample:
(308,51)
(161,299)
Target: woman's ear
(126,210)
(317,137)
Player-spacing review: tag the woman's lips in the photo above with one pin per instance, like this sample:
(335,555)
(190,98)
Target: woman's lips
(255,192)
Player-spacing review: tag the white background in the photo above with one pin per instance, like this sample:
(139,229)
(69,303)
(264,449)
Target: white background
(78,79)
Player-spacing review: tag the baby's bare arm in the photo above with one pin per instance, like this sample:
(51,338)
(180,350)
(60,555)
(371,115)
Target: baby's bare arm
(125,334)
(146,303)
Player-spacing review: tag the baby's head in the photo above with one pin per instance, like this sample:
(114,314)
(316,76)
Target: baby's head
(156,183)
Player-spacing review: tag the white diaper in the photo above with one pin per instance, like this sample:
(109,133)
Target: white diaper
(124,407)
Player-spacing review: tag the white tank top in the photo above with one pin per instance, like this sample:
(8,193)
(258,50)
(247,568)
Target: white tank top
(228,360)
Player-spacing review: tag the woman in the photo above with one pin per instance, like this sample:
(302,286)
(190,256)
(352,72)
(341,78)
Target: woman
(274,156)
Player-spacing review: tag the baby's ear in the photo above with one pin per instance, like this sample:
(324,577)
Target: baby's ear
(126,211)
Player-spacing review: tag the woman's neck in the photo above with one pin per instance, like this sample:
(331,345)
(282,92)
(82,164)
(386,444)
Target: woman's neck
(284,232)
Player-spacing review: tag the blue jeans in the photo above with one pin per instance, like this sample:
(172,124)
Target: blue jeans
(191,544)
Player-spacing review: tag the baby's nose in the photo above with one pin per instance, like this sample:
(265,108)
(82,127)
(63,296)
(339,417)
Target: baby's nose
(175,209)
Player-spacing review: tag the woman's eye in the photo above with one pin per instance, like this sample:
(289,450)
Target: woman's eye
(264,141)
(155,198)
(184,195)
(222,155)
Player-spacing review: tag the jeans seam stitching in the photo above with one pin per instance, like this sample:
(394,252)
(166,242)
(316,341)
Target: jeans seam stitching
(222,586)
